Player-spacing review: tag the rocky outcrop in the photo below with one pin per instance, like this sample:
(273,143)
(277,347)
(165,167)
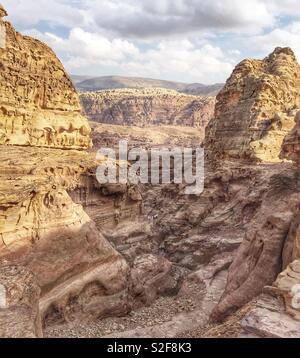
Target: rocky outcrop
(288,286)
(291,146)
(81,276)
(74,250)
(3,13)
(38,103)
(269,242)
(144,107)
(262,317)
(256,108)
(19,303)
(59,266)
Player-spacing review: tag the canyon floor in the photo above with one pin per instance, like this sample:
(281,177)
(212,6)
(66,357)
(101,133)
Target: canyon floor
(201,236)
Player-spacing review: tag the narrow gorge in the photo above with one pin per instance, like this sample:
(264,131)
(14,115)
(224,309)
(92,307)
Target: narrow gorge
(84,259)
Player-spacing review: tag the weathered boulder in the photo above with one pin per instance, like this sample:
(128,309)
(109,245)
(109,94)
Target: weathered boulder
(288,285)
(149,276)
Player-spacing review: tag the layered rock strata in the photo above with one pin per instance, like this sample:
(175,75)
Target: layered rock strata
(38,103)
(79,273)
(19,303)
(256,108)
(73,250)
(291,144)
(144,107)
(59,266)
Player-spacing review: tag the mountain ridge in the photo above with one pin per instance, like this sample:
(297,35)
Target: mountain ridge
(91,84)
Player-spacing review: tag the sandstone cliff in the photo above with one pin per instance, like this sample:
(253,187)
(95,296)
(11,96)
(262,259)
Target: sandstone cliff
(38,103)
(291,144)
(55,264)
(144,107)
(74,251)
(241,236)
(256,108)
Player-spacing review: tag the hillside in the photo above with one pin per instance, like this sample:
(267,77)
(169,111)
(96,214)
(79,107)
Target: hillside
(143,107)
(86,83)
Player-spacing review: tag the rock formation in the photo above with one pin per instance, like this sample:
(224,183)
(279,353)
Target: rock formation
(256,108)
(291,145)
(41,228)
(74,251)
(271,243)
(3,13)
(144,107)
(19,308)
(38,103)
(92,84)
(55,264)
(234,249)
(107,135)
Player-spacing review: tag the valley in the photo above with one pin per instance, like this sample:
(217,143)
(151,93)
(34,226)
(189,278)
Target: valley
(82,259)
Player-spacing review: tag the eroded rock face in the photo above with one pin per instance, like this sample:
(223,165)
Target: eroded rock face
(3,13)
(262,317)
(142,107)
(291,145)
(271,241)
(52,209)
(38,103)
(19,303)
(81,276)
(288,285)
(84,251)
(256,108)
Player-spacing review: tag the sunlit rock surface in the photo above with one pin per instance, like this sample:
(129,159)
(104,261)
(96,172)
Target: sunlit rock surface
(256,108)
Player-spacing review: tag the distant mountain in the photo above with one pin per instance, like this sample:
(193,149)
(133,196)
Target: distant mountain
(142,107)
(199,89)
(77,78)
(91,84)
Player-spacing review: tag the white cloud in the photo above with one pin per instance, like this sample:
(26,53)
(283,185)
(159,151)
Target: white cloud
(136,18)
(287,36)
(283,7)
(57,12)
(177,60)
(187,40)
(181,60)
(86,47)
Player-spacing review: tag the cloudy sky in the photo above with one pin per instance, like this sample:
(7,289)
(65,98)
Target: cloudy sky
(179,40)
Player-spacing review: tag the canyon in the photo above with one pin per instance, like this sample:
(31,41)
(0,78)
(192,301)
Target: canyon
(148,107)
(84,259)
